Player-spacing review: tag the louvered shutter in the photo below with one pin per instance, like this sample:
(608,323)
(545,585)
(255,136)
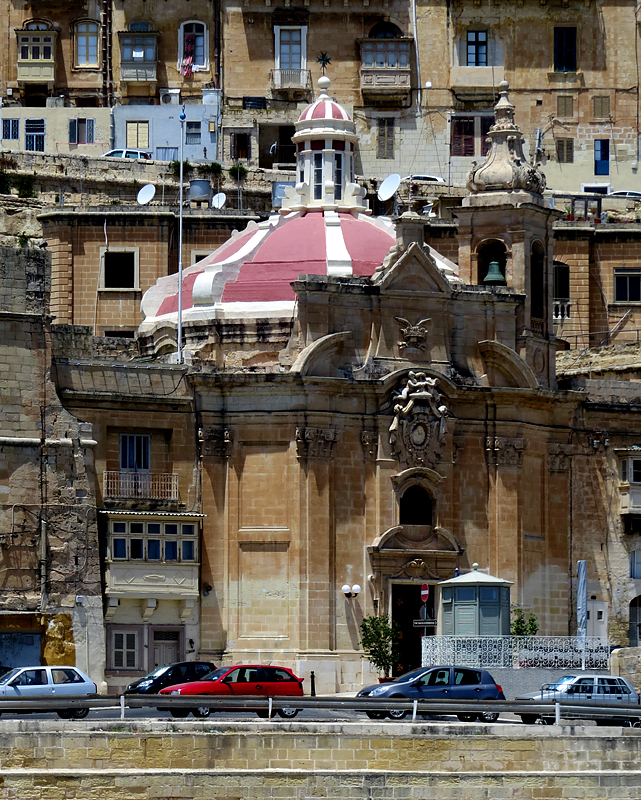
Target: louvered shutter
(90,131)
(73,131)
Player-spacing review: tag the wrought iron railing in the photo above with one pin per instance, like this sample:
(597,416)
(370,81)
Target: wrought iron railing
(140,486)
(291,79)
(557,652)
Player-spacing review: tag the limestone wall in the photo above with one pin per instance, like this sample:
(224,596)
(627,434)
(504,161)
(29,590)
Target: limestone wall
(353,761)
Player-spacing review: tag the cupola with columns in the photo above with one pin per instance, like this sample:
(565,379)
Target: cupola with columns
(325,138)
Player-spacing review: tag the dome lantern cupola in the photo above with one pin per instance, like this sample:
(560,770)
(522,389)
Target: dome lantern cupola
(325,139)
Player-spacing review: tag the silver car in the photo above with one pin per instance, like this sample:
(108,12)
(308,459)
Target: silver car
(43,682)
(585,689)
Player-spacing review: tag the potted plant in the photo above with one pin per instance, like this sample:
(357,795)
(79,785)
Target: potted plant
(568,212)
(379,640)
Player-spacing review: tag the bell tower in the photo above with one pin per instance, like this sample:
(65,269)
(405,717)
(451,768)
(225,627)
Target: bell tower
(506,238)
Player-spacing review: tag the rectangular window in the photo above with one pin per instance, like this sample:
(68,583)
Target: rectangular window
(138,134)
(561,281)
(134,452)
(290,48)
(565,105)
(188,551)
(636,470)
(627,287)
(193,47)
(385,144)
(125,649)
(635,564)
(240,145)
(10,128)
(166,153)
(171,550)
(565,49)
(192,133)
(601,156)
(462,143)
(477,48)
(565,151)
(601,107)
(119,270)
(153,550)
(139,48)
(119,548)
(87,44)
(34,135)
(338,176)
(81,131)
(318,176)
(136,550)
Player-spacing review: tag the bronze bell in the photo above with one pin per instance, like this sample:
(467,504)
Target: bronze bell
(494,274)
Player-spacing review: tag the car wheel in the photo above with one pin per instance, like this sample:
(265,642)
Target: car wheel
(376,714)
(262,714)
(78,713)
(288,713)
(528,719)
(179,713)
(488,716)
(64,713)
(467,717)
(201,712)
(397,714)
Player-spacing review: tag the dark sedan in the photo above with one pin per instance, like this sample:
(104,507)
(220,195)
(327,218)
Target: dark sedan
(183,672)
(438,683)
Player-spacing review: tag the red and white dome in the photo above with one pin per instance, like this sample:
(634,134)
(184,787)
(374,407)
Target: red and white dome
(324,107)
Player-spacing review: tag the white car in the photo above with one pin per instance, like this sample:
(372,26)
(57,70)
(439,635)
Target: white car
(430,178)
(630,195)
(135,154)
(44,682)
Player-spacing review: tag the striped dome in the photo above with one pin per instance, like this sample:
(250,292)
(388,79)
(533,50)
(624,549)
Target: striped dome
(324,107)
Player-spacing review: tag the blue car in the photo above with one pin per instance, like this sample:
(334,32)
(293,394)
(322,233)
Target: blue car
(438,683)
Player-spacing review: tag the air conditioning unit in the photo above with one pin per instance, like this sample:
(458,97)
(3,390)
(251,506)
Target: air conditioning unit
(169,97)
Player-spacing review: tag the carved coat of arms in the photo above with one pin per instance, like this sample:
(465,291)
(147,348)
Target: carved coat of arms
(417,432)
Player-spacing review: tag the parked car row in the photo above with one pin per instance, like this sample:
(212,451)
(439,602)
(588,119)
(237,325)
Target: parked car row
(201,680)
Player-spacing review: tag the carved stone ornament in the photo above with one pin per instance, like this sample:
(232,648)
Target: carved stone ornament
(505,450)
(417,433)
(505,166)
(369,440)
(559,456)
(417,568)
(414,336)
(216,442)
(315,442)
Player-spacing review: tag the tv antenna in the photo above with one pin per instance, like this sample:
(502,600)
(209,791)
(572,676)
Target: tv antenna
(218,200)
(146,194)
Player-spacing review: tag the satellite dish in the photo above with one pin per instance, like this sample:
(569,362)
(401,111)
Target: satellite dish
(146,194)
(219,200)
(389,186)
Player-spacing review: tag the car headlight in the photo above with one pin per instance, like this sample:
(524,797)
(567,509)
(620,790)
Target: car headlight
(144,684)
(177,691)
(378,690)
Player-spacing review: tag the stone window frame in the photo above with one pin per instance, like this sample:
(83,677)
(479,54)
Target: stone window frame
(197,254)
(180,537)
(303,44)
(120,249)
(425,478)
(76,34)
(181,44)
(111,630)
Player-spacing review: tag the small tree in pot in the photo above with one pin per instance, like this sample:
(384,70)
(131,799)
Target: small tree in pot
(379,641)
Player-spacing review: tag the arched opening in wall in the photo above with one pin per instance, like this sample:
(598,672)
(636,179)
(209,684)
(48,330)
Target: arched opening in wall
(561,290)
(416,507)
(537,284)
(494,254)
(385,30)
(634,631)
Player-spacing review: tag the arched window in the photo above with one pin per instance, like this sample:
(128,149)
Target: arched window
(537,282)
(139,27)
(385,30)
(488,253)
(415,507)
(193,47)
(634,632)
(36,41)
(86,39)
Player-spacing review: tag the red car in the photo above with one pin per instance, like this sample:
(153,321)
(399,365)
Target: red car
(248,680)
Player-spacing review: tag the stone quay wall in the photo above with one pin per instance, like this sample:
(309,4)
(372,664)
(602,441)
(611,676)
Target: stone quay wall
(212,760)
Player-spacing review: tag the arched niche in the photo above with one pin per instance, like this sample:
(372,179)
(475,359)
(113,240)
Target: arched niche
(538,283)
(488,251)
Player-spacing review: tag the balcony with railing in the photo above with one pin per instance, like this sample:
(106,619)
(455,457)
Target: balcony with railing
(385,69)
(291,80)
(562,310)
(140,486)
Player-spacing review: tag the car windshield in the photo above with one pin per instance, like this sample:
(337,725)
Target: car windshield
(407,676)
(8,675)
(217,673)
(157,672)
(562,683)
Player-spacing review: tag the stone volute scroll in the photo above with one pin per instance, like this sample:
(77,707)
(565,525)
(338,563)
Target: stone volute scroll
(505,166)
(216,442)
(315,442)
(417,432)
(506,451)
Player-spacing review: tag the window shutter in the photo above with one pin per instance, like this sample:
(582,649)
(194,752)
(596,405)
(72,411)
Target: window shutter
(118,650)
(15,128)
(601,106)
(131,650)
(73,131)
(232,145)
(390,137)
(249,146)
(6,128)
(385,147)
(143,135)
(381,139)
(462,136)
(132,134)
(565,106)
(90,131)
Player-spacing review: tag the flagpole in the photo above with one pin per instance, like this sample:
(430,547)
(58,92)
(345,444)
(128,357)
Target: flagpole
(179,350)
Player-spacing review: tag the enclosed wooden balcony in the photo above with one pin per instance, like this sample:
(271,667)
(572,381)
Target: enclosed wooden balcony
(385,70)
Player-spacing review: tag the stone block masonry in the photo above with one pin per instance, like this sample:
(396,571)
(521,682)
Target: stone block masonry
(352,761)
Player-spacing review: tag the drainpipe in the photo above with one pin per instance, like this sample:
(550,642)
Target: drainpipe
(418,62)
(43,565)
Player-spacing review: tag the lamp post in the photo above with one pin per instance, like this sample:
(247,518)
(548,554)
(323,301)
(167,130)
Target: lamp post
(179,349)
